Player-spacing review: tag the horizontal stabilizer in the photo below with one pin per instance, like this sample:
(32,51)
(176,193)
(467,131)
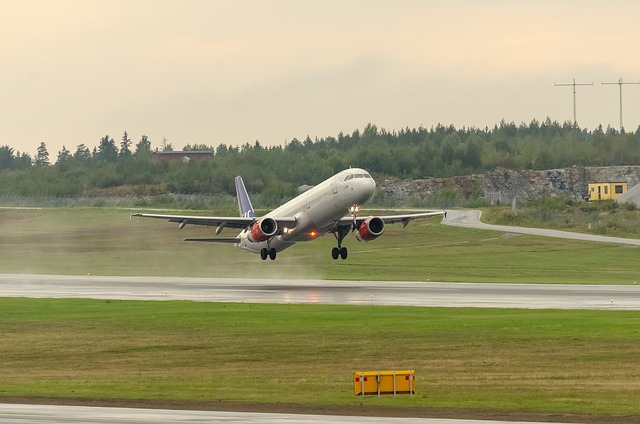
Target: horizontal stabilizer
(215,240)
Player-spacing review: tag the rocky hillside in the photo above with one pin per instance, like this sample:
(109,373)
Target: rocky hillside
(502,185)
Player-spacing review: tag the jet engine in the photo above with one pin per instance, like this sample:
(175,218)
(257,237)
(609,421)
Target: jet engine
(370,229)
(263,230)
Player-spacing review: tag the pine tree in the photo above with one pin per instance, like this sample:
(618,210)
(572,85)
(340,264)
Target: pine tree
(143,149)
(64,155)
(125,151)
(6,157)
(42,157)
(82,154)
(22,161)
(107,150)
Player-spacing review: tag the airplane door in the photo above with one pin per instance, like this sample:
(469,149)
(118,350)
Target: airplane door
(334,185)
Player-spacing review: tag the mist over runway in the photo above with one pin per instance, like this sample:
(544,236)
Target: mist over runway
(328,292)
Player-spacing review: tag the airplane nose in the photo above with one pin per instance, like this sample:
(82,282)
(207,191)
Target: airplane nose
(371,185)
(358,190)
(368,189)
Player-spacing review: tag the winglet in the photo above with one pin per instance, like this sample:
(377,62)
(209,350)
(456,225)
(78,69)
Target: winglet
(244,204)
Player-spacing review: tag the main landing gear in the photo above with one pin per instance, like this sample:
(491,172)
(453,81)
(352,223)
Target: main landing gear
(270,253)
(339,251)
(340,233)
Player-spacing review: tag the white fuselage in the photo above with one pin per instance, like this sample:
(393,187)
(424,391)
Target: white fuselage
(317,210)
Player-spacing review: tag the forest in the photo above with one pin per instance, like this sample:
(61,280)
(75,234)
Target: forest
(126,169)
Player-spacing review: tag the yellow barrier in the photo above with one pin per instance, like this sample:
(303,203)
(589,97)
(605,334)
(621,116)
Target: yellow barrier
(384,382)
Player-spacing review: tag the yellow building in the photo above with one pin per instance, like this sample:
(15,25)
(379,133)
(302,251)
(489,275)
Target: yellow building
(606,191)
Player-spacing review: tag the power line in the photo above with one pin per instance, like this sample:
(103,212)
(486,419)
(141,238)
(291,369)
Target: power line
(620,83)
(573,84)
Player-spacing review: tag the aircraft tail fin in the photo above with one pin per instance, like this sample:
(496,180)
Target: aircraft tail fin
(244,204)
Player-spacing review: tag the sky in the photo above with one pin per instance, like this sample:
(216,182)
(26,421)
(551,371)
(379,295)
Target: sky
(235,72)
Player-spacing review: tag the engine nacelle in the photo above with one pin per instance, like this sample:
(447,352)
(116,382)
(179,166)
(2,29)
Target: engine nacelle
(370,229)
(263,230)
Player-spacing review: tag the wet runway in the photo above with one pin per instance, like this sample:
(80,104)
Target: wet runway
(323,292)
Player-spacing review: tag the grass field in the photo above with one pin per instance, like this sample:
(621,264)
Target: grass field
(482,359)
(105,241)
(506,360)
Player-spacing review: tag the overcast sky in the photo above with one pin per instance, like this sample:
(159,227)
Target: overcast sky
(233,72)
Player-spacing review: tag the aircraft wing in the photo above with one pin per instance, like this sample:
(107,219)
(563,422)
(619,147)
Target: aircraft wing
(215,240)
(392,219)
(217,221)
(207,221)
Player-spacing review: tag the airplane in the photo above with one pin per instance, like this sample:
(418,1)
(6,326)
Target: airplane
(329,207)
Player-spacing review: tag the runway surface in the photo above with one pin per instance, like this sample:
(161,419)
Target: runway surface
(46,414)
(245,290)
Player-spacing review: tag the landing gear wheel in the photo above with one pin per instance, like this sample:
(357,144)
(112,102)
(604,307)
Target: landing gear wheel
(263,253)
(340,232)
(272,254)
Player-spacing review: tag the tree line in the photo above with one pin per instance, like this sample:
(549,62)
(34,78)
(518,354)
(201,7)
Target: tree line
(123,168)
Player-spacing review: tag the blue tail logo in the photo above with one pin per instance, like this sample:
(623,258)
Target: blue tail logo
(244,204)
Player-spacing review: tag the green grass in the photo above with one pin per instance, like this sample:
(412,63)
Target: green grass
(489,359)
(105,241)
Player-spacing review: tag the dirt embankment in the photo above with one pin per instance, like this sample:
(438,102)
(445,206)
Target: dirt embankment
(501,185)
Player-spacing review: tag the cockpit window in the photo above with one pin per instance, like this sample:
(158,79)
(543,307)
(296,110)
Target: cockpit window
(352,176)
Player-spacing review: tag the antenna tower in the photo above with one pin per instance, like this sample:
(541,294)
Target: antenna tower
(573,84)
(620,83)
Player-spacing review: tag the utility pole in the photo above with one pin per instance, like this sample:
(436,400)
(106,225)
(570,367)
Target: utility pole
(620,83)
(573,84)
